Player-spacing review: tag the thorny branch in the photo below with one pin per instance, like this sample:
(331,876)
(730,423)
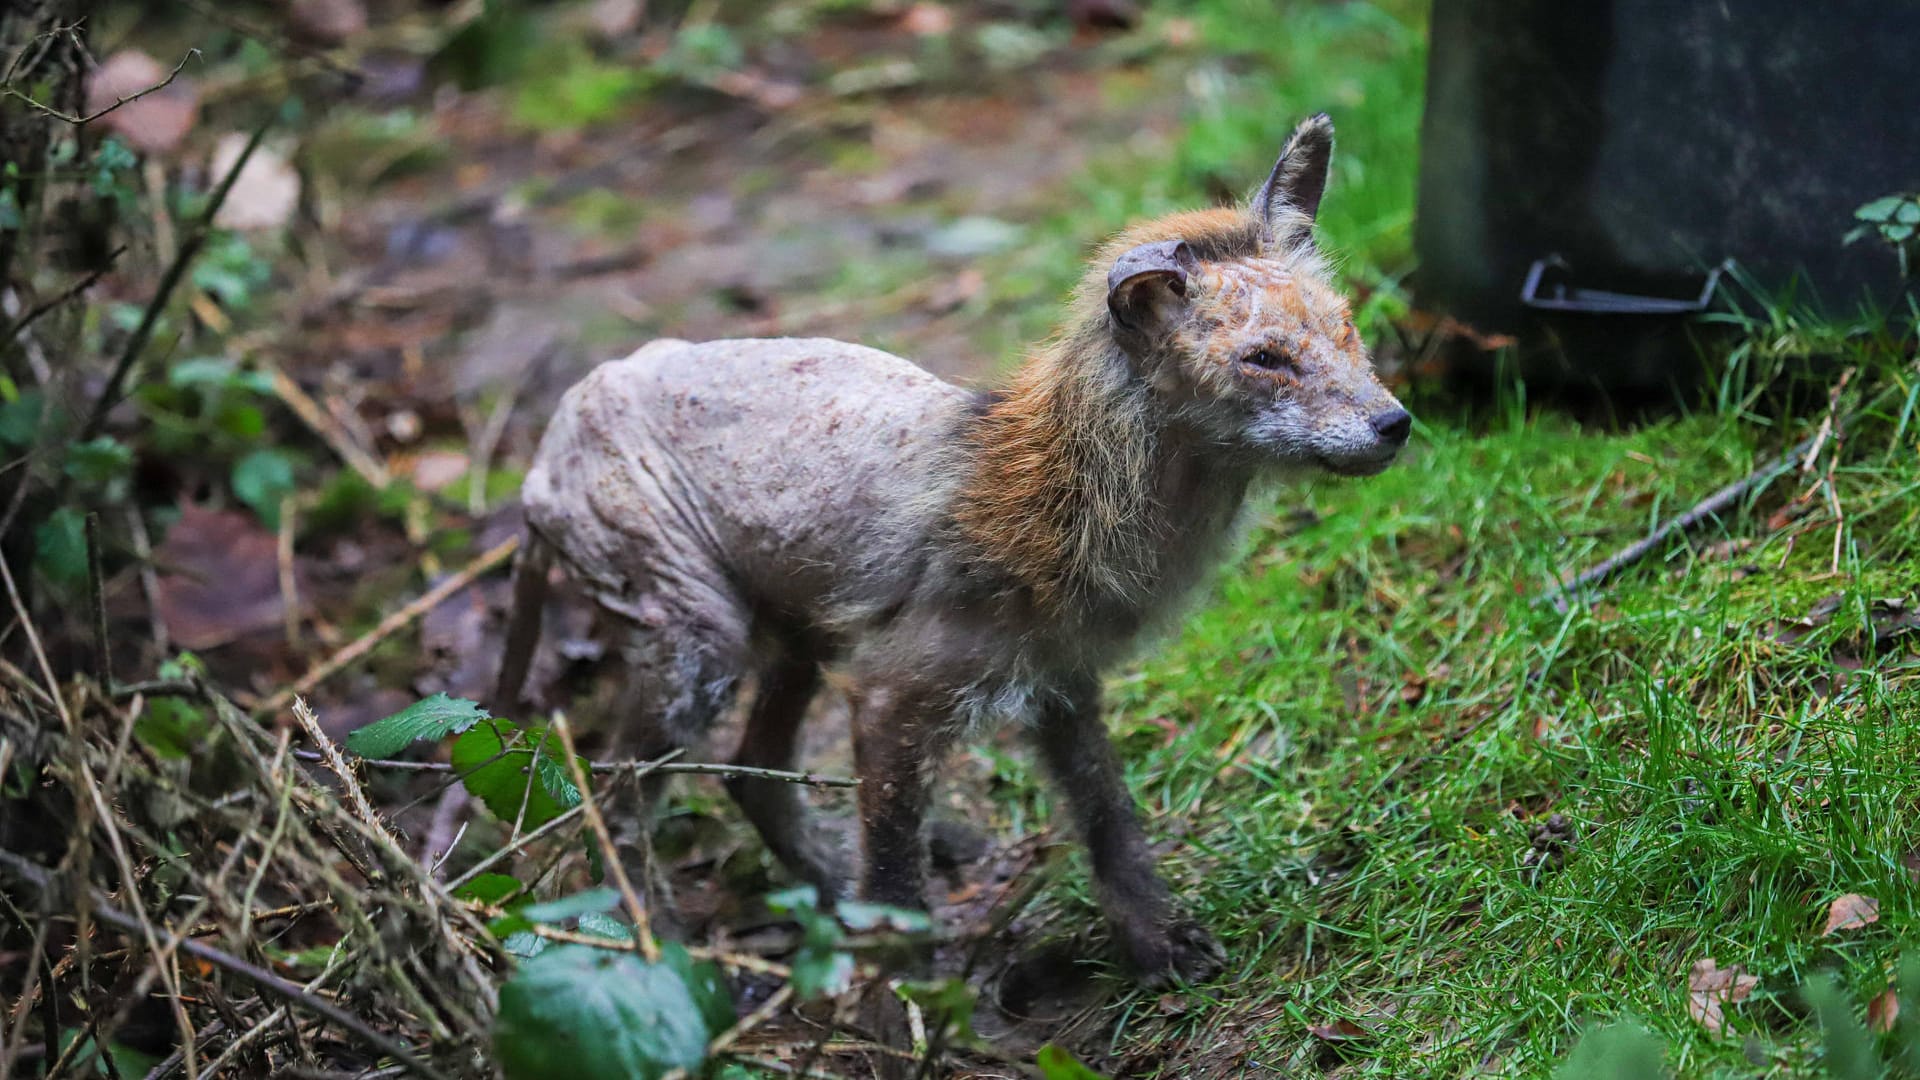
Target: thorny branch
(698,768)
(41,880)
(8,89)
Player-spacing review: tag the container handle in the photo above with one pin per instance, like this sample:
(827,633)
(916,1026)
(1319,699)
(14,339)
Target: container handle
(1562,297)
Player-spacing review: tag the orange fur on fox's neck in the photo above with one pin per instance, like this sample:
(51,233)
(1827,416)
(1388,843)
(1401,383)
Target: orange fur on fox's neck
(1064,462)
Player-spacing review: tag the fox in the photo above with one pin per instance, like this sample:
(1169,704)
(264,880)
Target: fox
(761,511)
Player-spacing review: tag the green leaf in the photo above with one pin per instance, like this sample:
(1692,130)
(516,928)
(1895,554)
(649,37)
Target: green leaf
(493,759)
(1909,212)
(596,924)
(862,917)
(1850,1053)
(1881,209)
(434,718)
(1896,234)
(60,547)
(557,779)
(489,888)
(525,944)
(202,372)
(705,982)
(1057,1064)
(595,1014)
(821,967)
(1620,1051)
(262,479)
(1908,1032)
(171,727)
(947,1004)
(100,464)
(591,901)
(20,420)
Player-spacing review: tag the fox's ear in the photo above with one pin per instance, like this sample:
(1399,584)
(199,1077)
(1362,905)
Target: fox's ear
(1290,198)
(1147,283)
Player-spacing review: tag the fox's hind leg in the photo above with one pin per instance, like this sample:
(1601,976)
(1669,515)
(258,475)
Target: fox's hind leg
(682,658)
(772,741)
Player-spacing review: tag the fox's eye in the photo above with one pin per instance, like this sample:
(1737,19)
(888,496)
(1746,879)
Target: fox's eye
(1263,358)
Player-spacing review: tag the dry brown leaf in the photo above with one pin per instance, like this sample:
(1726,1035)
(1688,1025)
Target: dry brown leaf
(154,123)
(1883,1011)
(1346,1029)
(1851,912)
(927,20)
(435,469)
(265,193)
(1710,989)
(221,579)
(1341,1030)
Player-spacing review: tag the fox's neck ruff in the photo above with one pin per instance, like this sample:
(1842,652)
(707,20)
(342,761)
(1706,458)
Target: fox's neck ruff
(1061,492)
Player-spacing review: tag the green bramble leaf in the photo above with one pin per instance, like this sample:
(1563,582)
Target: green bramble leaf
(588,902)
(262,479)
(493,759)
(597,1014)
(601,925)
(434,718)
(489,888)
(60,547)
(1056,1064)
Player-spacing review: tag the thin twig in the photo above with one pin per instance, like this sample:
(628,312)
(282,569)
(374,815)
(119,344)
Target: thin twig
(143,332)
(330,754)
(289,582)
(42,880)
(1702,511)
(241,1040)
(97,604)
(321,423)
(354,650)
(149,581)
(33,314)
(33,640)
(558,821)
(636,910)
(701,768)
(8,88)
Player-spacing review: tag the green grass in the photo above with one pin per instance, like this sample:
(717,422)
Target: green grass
(1374,713)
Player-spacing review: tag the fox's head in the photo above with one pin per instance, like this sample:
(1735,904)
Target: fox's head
(1230,318)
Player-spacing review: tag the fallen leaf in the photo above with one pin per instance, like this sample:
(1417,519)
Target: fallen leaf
(1851,912)
(927,20)
(1711,988)
(265,193)
(221,579)
(435,469)
(155,122)
(1883,1011)
(1346,1029)
(1341,1030)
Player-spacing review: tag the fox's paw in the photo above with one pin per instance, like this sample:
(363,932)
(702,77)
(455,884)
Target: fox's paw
(1181,952)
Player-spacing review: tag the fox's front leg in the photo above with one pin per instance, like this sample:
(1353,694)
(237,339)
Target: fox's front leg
(1157,938)
(899,736)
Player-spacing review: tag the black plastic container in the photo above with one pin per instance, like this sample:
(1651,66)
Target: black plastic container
(1586,167)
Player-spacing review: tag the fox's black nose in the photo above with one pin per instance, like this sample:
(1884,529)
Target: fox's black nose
(1393,425)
